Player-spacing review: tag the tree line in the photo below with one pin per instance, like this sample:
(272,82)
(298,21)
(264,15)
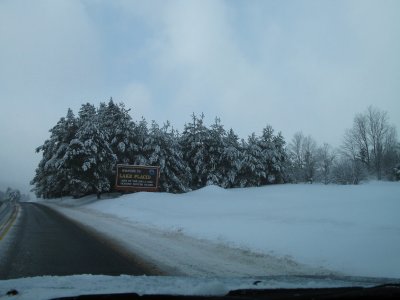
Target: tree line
(81,154)
(370,149)
(11,194)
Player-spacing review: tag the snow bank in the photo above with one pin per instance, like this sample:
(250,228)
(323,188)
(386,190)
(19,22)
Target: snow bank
(354,230)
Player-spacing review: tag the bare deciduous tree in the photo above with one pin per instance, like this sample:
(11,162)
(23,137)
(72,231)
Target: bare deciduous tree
(325,157)
(378,129)
(310,158)
(295,154)
(303,154)
(372,141)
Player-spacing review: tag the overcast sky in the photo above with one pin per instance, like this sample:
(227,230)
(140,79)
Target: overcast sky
(297,65)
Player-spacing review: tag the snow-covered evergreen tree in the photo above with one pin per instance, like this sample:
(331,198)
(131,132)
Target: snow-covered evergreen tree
(252,172)
(140,150)
(195,150)
(87,113)
(267,147)
(80,156)
(166,153)
(281,158)
(216,163)
(117,123)
(231,160)
(274,155)
(52,179)
(12,194)
(89,156)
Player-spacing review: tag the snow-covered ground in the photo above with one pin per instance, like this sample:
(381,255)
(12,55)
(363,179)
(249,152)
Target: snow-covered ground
(273,230)
(318,232)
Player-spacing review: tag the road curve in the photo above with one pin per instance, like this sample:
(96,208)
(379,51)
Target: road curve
(46,243)
(4,208)
(8,213)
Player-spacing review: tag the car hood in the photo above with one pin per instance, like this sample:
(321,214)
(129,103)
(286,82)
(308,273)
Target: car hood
(48,287)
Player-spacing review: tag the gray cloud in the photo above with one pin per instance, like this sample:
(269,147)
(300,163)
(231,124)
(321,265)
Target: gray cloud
(306,65)
(48,59)
(312,61)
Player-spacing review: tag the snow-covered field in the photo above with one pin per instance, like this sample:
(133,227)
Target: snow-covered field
(273,230)
(317,232)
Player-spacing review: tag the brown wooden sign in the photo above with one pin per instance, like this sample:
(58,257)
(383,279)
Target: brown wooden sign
(137,178)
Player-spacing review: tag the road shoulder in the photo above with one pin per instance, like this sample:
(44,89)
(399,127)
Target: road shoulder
(175,253)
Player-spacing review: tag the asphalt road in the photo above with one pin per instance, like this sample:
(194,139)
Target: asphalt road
(43,242)
(5,210)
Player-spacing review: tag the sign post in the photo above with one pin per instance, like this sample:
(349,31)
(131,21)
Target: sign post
(137,178)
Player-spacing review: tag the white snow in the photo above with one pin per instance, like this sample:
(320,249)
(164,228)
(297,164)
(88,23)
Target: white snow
(49,287)
(272,230)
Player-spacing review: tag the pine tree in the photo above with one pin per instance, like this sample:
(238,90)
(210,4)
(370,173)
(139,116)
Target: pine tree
(252,172)
(12,194)
(216,162)
(117,123)
(80,156)
(89,156)
(195,150)
(51,179)
(274,155)
(166,153)
(139,152)
(87,113)
(281,157)
(231,160)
